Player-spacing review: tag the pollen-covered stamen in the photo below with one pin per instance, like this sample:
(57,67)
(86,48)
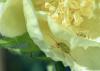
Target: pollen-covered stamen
(73,11)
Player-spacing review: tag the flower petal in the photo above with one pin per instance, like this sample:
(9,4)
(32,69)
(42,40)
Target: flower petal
(36,30)
(12,22)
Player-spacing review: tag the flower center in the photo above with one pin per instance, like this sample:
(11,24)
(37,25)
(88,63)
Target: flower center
(80,15)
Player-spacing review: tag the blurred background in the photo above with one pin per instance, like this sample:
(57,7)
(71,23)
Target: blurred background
(21,54)
(15,62)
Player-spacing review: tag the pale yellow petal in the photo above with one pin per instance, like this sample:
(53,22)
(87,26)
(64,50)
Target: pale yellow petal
(12,22)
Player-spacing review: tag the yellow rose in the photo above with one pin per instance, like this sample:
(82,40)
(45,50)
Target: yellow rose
(65,30)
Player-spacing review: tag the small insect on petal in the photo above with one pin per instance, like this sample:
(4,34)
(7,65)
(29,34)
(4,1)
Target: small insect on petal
(64,47)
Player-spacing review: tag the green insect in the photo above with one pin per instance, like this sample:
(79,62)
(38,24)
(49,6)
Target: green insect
(63,47)
(66,49)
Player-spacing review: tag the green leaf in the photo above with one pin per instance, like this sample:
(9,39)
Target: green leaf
(3,41)
(3,0)
(23,43)
(59,66)
(25,46)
